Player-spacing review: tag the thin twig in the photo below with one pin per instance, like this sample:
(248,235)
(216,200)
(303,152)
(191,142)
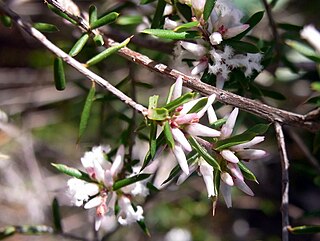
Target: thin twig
(71,61)
(285,181)
(273,27)
(311,123)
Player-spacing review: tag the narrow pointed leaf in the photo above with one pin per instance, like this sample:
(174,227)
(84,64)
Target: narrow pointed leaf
(144,227)
(170,34)
(242,47)
(93,14)
(246,136)
(218,123)
(204,153)
(45,27)
(157,18)
(252,21)
(153,138)
(59,76)
(199,105)
(109,18)
(168,135)
(130,180)
(56,216)
(61,14)
(304,50)
(106,53)
(73,172)
(179,101)
(160,141)
(79,45)
(186,26)
(86,111)
(129,20)
(304,229)
(208,7)
(247,173)
(216,181)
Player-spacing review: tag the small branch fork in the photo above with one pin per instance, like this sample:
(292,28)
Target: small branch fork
(285,181)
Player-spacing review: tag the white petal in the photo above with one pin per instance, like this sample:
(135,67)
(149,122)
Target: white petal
(206,171)
(189,105)
(210,101)
(196,49)
(229,156)
(200,67)
(98,222)
(234,31)
(220,81)
(181,158)
(248,144)
(170,24)
(235,171)
(94,202)
(312,35)
(226,177)
(211,115)
(243,187)
(127,214)
(227,128)
(197,129)
(184,176)
(181,139)
(226,193)
(251,154)
(118,161)
(177,90)
(108,178)
(215,38)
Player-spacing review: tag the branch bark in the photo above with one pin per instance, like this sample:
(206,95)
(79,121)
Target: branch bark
(285,181)
(272,114)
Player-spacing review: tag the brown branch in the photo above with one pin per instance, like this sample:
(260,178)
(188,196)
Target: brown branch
(71,61)
(266,112)
(285,181)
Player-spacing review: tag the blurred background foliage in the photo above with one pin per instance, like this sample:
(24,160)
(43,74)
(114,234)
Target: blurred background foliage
(43,128)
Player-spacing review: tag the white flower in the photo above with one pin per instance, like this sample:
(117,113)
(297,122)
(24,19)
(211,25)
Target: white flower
(80,191)
(127,215)
(312,35)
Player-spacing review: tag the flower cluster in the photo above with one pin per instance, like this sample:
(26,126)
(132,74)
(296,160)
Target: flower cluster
(99,193)
(223,23)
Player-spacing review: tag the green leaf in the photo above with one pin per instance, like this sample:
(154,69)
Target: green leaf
(170,34)
(208,9)
(252,21)
(70,171)
(246,136)
(186,26)
(305,229)
(153,101)
(106,19)
(179,101)
(289,27)
(315,86)
(241,46)
(130,180)
(59,76)
(106,53)
(153,138)
(157,18)
(158,114)
(129,20)
(199,105)
(247,173)
(160,141)
(79,45)
(61,14)
(98,39)
(56,215)
(86,110)
(314,100)
(5,20)
(144,227)
(45,27)
(204,153)
(218,123)
(146,1)
(168,134)
(217,178)
(7,232)
(304,50)
(93,14)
